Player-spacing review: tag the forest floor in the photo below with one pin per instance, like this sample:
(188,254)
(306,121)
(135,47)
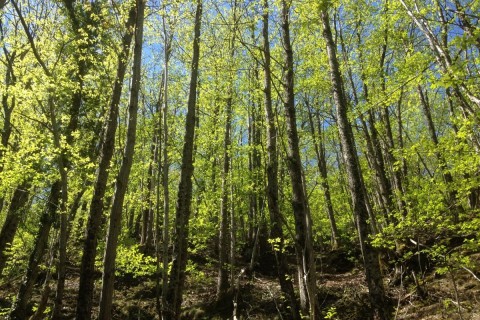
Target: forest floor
(342,294)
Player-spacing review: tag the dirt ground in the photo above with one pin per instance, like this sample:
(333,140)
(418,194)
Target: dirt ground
(342,294)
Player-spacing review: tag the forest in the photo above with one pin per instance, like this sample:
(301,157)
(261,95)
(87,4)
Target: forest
(228,159)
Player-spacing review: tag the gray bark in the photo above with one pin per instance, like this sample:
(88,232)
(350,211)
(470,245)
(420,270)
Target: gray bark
(180,238)
(224,233)
(115,224)
(319,147)
(9,228)
(303,227)
(48,217)
(355,182)
(451,200)
(7,107)
(85,295)
(272,177)
(165,165)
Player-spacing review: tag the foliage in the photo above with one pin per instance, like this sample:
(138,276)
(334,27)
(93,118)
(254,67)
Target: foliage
(331,313)
(17,255)
(131,262)
(419,157)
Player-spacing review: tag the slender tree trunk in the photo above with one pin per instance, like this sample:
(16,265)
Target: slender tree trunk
(383,182)
(8,104)
(233,230)
(183,210)
(83,65)
(276,231)
(224,233)
(86,287)
(396,177)
(374,153)
(62,239)
(9,228)
(165,167)
(466,23)
(223,248)
(42,304)
(145,216)
(357,191)
(41,240)
(7,107)
(303,227)
(147,212)
(252,235)
(257,231)
(319,147)
(447,176)
(444,59)
(115,225)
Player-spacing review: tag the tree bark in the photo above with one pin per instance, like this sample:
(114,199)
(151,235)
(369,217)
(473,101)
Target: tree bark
(165,165)
(451,200)
(276,231)
(7,107)
(303,226)
(223,248)
(319,147)
(184,200)
(115,224)
(9,228)
(444,59)
(19,308)
(355,182)
(85,295)
(224,233)
(466,23)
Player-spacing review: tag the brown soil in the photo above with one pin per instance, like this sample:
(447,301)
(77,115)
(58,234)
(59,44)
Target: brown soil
(341,295)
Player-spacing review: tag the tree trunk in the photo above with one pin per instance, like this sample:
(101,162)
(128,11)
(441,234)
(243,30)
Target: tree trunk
(460,90)
(87,277)
(62,238)
(223,248)
(183,210)
(303,227)
(224,233)
(396,178)
(7,111)
(451,200)
(165,166)
(115,225)
(276,231)
(319,147)
(9,228)
(42,304)
(252,232)
(466,23)
(357,191)
(41,240)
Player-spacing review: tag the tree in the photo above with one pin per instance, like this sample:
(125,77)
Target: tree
(9,228)
(357,189)
(84,300)
(225,237)
(319,147)
(461,91)
(114,227)
(184,198)
(166,161)
(8,104)
(375,146)
(276,219)
(303,224)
